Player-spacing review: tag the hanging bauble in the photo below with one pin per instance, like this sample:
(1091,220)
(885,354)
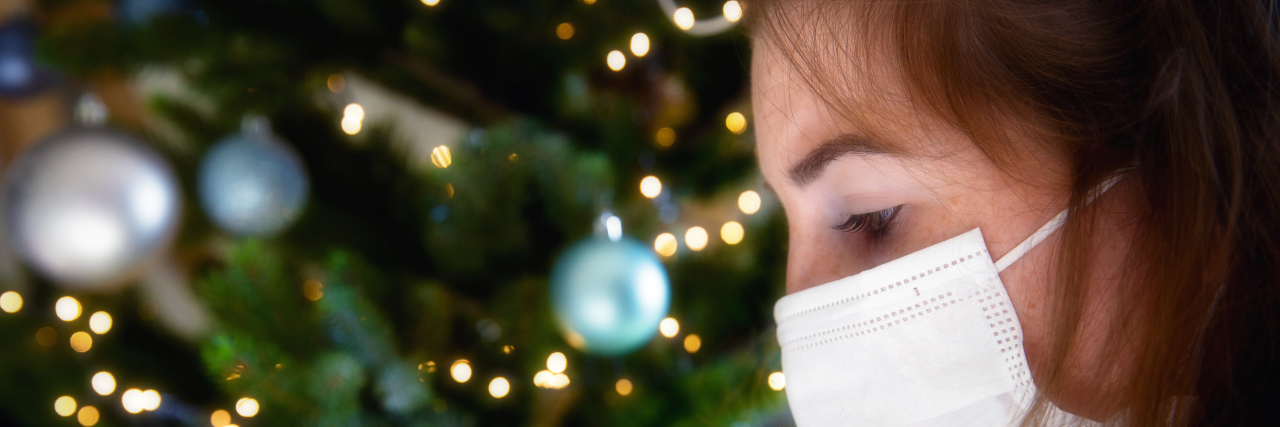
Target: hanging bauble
(19,75)
(90,207)
(609,296)
(251,183)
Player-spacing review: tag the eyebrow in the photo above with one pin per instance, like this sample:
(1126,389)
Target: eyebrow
(815,163)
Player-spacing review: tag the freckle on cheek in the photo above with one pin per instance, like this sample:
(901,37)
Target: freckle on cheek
(1033,306)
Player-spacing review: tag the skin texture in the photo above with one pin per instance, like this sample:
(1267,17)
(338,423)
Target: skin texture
(946,186)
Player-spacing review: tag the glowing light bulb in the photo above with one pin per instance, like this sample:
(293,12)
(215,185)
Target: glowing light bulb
(10,302)
(695,238)
(64,406)
(499,387)
(352,119)
(441,157)
(132,400)
(736,122)
(749,202)
(556,362)
(247,407)
(461,371)
(103,383)
(67,308)
(665,244)
(351,126)
(692,343)
(777,381)
(732,10)
(669,327)
(150,400)
(430,3)
(220,418)
(650,186)
(100,322)
(623,386)
(665,137)
(558,381)
(313,289)
(543,378)
(564,31)
(684,18)
(354,111)
(88,416)
(732,232)
(81,342)
(639,44)
(616,60)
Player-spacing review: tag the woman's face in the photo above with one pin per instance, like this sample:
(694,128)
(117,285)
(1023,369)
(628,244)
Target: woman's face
(932,183)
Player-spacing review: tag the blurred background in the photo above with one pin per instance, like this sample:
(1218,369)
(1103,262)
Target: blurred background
(392,212)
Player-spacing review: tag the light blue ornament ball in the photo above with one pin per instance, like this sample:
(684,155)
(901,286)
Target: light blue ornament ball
(252,185)
(609,296)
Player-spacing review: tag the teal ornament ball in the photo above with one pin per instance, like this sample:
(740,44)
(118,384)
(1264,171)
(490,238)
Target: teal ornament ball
(251,184)
(609,297)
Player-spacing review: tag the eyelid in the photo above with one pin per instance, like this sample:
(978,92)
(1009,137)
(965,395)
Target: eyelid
(875,223)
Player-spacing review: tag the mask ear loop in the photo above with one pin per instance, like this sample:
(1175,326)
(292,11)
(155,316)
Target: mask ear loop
(1050,227)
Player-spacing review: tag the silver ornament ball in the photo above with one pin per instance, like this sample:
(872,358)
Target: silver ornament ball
(252,185)
(609,296)
(89,207)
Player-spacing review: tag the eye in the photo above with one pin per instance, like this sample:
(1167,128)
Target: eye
(875,224)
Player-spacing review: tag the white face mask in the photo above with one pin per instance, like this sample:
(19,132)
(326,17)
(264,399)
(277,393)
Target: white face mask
(927,339)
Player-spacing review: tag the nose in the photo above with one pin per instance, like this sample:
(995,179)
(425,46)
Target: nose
(818,254)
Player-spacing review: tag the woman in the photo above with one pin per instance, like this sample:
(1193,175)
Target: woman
(898,133)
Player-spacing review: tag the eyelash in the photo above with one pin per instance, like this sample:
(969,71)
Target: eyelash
(875,224)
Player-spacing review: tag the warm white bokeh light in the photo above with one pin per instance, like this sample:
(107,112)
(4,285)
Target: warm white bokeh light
(736,122)
(64,406)
(10,302)
(247,407)
(150,400)
(749,202)
(650,186)
(639,44)
(732,10)
(81,342)
(665,244)
(499,387)
(220,418)
(558,381)
(616,60)
(564,31)
(777,381)
(88,416)
(684,18)
(732,232)
(692,343)
(695,238)
(441,157)
(353,111)
(665,137)
(67,308)
(100,322)
(623,386)
(430,2)
(543,378)
(669,327)
(132,400)
(556,362)
(103,383)
(461,371)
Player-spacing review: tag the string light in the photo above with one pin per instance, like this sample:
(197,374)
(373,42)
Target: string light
(558,381)
(777,381)
(543,378)
(220,418)
(556,362)
(10,302)
(430,3)
(589,1)
(313,289)
(692,343)
(88,416)
(564,31)
(669,327)
(64,406)
(100,322)
(132,400)
(499,387)
(46,336)
(150,400)
(732,232)
(684,18)
(81,342)
(650,186)
(639,44)
(665,137)
(103,383)
(623,386)
(460,370)
(448,190)
(616,60)
(736,122)
(336,83)
(352,118)
(665,244)
(749,202)
(732,10)
(695,238)
(247,407)
(441,157)
(67,308)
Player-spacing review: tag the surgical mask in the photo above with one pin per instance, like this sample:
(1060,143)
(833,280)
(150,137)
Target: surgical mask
(929,339)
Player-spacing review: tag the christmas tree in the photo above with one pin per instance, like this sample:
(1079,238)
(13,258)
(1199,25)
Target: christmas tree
(451,157)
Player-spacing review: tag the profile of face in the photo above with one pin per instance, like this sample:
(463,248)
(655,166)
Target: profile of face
(861,191)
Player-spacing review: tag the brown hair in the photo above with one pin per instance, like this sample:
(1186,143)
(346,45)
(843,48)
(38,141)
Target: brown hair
(1181,91)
